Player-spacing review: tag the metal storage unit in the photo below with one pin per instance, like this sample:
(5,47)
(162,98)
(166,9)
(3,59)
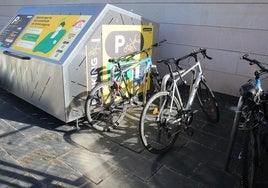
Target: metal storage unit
(52,56)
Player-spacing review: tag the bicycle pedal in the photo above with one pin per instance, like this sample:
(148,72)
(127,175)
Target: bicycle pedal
(115,125)
(195,111)
(134,102)
(189,130)
(107,129)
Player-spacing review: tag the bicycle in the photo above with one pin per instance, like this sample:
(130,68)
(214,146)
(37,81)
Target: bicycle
(107,102)
(249,119)
(166,114)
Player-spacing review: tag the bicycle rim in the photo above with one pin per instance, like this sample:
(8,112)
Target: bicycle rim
(249,160)
(208,102)
(105,107)
(158,130)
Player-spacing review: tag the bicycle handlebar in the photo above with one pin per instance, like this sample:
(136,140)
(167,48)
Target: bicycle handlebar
(203,51)
(128,56)
(254,61)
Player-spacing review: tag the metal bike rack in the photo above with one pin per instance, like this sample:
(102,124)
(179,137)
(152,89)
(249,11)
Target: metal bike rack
(52,56)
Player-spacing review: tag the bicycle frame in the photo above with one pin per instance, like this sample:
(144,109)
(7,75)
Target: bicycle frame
(198,76)
(132,65)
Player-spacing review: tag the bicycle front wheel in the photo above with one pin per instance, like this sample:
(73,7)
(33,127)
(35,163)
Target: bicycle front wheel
(208,102)
(105,107)
(159,122)
(249,160)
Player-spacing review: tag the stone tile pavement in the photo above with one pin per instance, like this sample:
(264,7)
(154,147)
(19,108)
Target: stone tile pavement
(37,150)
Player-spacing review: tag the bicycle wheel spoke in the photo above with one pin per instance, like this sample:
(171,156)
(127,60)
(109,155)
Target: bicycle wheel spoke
(208,102)
(157,131)
(104,107)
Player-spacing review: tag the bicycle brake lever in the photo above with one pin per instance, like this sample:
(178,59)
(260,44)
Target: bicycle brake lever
(210,58)
(159,43)
(160,61)
(162,41)
(244,56)
(204,53)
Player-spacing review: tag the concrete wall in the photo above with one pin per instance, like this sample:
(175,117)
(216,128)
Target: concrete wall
(227,28)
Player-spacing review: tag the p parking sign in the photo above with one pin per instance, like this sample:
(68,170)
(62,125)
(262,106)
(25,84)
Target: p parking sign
(120,40)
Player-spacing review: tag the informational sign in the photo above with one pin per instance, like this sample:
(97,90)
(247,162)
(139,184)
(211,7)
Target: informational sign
(50,36)
(13,30)
(119,40)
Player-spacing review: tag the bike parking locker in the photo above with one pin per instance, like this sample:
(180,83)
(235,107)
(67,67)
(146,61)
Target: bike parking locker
(52,56)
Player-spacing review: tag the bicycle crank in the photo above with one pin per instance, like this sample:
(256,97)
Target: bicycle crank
(187,118)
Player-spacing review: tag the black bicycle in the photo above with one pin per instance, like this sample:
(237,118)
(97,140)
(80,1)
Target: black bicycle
(250,120)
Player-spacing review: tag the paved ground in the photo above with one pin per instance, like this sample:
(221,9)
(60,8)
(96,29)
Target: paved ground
(37,150)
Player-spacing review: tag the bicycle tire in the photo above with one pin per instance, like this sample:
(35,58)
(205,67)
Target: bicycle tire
(105,107)
(158,136)
(208,102)
(249,160)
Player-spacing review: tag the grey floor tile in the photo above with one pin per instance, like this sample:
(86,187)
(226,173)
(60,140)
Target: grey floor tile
(96,167)
(122,179)
(166,177)
(214,177)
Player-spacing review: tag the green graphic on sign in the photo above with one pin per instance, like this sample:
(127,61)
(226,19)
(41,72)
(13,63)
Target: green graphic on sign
(50,40)
(30,37)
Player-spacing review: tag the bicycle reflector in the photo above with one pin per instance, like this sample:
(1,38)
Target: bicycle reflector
(155,111)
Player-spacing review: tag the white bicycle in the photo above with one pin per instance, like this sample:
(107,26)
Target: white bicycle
(166,113)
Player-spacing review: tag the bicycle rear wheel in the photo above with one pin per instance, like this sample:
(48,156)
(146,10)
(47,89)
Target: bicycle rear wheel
(208,102)
(249,160)
(158,123)
(105,107)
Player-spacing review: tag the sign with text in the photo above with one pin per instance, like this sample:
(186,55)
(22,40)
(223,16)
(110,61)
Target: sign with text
(50,36)
(13,30)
